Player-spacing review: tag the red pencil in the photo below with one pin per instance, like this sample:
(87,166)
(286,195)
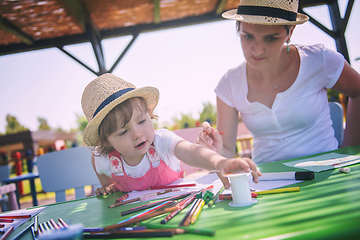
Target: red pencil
(206,133)
(174,186)
(5,220)
(122,198)
(15,216)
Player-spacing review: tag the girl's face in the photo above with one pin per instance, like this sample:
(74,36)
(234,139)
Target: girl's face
(262,44)
(134,139)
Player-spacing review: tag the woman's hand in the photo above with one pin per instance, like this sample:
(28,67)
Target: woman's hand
(106,190)
(237,165)
(210,138)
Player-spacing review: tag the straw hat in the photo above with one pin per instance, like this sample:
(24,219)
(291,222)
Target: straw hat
(267,12)
(104,93)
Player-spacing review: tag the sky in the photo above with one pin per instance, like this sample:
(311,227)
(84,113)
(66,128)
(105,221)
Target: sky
(185,64)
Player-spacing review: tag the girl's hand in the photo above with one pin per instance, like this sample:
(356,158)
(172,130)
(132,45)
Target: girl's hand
(210,138)
(234,165)
(106,190)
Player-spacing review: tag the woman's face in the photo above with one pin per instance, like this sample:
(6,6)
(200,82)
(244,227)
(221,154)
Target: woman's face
(262,44)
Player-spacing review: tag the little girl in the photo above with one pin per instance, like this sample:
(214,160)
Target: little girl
(128,153)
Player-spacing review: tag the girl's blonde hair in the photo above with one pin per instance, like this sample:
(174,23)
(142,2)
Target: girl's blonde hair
(121,114)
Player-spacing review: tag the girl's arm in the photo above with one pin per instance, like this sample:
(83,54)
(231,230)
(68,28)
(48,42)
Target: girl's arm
(349,84)
(107,184)
(203,157)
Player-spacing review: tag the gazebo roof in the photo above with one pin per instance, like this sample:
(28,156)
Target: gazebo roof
(27,25)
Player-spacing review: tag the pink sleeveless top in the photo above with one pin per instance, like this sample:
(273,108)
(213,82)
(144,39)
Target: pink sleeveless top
(154,177)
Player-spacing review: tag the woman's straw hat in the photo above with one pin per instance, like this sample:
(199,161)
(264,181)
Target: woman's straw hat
(104,93)
(267,12)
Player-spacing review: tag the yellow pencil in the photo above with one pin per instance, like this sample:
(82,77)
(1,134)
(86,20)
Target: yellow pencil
(197,211)
(279,190)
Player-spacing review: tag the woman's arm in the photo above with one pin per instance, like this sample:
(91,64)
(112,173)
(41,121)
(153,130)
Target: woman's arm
(349,84)
(107,184)
(227,122)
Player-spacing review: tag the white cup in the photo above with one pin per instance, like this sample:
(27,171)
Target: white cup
(241,194)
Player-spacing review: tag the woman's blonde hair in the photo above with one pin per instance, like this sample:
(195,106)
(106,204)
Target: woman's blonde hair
(121,114)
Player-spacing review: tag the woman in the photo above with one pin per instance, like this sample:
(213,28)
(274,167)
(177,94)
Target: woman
(281,89)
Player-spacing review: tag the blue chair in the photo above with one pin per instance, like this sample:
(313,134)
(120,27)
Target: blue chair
(67,169)
(337,118)
(10,190)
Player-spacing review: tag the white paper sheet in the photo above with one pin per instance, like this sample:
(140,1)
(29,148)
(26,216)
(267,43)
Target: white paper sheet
(324,162)
(18,222)
(211,179)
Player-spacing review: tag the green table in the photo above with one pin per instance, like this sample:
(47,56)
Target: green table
(327,207)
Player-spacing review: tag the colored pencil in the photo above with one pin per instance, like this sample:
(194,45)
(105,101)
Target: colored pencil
(63,223)
(15,216)
(184,221)
(228,196)
(212,201)
(54,224)
(279,190)
(5,220)
(207,232)
(149,205)
(206,133)
(124,202)
(122,198)
(131,234)
(36,224)
(153,209)
(7,233)
(41,228)
(33,233)
(145,197)
(183,204)
(139,219)
(174,186)
(197,211)
(23,231)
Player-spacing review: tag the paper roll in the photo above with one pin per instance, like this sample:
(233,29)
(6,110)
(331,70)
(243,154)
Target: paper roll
(241,194)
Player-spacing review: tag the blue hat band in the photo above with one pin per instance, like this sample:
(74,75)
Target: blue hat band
(111,98)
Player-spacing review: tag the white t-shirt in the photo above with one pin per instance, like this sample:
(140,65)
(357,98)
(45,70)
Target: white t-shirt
(164,142)
(298,123)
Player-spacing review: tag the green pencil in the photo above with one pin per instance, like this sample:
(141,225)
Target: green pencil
(207,232)
(211,202)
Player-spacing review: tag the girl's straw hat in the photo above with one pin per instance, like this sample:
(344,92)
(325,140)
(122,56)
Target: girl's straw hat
(104,93)
(267,12)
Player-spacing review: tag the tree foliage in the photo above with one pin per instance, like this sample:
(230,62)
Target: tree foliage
(209,113)
(82,122)
(13,126)
(43,125)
